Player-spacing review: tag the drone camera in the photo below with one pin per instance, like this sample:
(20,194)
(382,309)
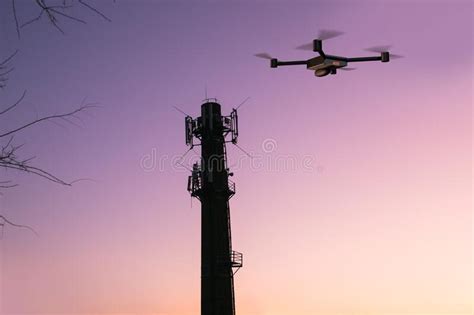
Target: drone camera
(385,56)
(322,72)
(274,63)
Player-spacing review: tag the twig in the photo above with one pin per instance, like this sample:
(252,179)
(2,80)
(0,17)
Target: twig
(14,105)
(18,225)
(16,19)
(46,118)
(94,9)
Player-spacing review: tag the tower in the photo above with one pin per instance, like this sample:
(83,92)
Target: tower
(210,183)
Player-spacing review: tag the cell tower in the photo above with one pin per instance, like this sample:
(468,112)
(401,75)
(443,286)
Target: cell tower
(209,182)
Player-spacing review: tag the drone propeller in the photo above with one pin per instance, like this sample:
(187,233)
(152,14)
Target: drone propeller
(322,35)
(308,46)
(380,49)
(393,56)
(347,69)
(264,56)
(328,34)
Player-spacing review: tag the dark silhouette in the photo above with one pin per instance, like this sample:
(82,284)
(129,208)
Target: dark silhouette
(325,64)
(54,12)
(209,182)
(6,221)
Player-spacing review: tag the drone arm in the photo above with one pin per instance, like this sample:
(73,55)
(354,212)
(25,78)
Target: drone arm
(361,59)
(290,63)
(384,57)
(338,58)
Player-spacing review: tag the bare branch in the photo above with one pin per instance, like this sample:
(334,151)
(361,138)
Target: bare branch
(6,184)
(66,15)
(16,19)
(72,122)
(9,158)
(4,70)
(4,62)
(53,12)
(14,105)
(15,165)
(33,20)
(94,9)
(52,18)
(36,121)
(5,220)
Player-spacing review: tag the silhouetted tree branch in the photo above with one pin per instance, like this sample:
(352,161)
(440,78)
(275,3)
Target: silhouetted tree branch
(9,158)
(14,104)
(4,221)
(6,184)
(5,69)
(53,11)
(50,117)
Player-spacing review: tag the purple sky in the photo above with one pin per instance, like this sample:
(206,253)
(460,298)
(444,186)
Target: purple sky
(361,204)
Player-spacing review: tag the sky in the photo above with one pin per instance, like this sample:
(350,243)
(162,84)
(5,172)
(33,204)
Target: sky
(358,195)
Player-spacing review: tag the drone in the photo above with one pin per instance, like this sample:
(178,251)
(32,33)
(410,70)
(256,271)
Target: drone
(325,64)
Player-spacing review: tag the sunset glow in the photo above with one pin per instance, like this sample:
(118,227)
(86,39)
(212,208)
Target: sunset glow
(359,196)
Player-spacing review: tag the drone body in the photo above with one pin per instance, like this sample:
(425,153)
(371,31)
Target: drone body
(325,64)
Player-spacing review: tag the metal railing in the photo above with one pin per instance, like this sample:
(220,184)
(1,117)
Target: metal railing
(231,187)
(237,259)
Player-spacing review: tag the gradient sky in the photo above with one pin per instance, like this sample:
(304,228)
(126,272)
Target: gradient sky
(371,215)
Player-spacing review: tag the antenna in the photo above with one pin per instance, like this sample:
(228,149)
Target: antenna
(241,149)
(243,102)
(181,111)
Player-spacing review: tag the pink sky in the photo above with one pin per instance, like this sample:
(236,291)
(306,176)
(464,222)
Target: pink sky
(379,220)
